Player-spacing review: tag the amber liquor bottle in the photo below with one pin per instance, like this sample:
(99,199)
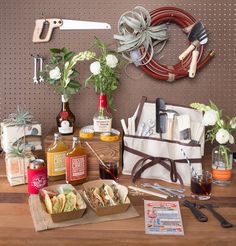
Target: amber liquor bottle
(65,119)
(56,154)
(76,163)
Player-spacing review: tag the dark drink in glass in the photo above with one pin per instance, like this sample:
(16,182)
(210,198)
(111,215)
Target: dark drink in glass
(110,172)
(201,186)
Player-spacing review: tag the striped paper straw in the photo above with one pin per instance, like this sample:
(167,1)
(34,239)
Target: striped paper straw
(194,173)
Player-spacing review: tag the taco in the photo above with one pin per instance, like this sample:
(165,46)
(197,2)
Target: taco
(70,203)
(93,197)
(62,199)
(56,205)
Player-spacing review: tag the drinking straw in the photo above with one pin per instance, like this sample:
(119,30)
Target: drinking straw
(194,173)
(101,161)
(148,192)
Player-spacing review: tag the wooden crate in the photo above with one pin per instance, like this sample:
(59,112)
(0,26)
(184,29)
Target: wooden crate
(107,151)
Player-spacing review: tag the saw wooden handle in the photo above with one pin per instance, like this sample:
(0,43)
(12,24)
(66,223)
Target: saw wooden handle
(39,27)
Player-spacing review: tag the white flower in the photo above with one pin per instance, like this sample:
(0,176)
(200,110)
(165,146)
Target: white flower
(231,139)
(55,73)
(111,61)
(233,123)
(222,136)
(210,117)
(95,68)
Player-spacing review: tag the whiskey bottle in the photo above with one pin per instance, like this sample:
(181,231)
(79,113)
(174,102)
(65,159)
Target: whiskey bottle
(102,119)
(76,163)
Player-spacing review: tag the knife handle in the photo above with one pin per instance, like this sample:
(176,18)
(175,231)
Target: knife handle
(223,222)
(40,27)
(198,214)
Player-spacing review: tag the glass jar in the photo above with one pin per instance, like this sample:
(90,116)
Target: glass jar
(222,160)
(102,119)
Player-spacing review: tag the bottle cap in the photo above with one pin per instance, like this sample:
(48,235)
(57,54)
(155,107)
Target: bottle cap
(57,134)
(87,132)
(114,135)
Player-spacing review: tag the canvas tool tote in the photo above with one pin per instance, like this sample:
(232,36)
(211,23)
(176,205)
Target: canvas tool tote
(160,158)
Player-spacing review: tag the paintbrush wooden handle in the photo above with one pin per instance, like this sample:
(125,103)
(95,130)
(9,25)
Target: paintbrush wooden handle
(193,64)
(189,49)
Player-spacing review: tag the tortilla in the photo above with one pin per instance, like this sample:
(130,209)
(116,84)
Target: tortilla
(48,203)
(62,199)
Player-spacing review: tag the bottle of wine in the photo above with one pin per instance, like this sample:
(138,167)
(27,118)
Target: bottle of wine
(76,163)
(65,119)
(102,119)
(56,154)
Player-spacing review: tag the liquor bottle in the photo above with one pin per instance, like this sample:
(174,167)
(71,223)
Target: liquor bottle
(102,120)
(56,158)
(65,119)
(76,163)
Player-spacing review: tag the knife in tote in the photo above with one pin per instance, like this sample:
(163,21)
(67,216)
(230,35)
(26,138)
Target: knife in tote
(63,24)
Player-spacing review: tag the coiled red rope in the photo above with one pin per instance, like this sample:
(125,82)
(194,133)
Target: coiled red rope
(180,70)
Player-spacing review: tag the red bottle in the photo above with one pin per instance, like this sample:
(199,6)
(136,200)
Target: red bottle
(76,163)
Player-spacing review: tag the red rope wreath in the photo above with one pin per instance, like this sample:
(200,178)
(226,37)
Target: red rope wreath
(180,70)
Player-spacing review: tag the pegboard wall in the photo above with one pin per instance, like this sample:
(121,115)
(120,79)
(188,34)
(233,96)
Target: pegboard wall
(217,81)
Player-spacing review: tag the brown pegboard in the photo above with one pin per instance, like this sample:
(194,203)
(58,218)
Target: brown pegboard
(217,81)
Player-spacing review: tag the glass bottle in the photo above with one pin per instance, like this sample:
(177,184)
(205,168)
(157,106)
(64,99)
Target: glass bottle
(65,118)
(222,160)
(102,119)
(56,154)
(76,163)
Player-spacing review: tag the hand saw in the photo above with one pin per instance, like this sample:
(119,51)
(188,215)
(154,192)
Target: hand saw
(63,24)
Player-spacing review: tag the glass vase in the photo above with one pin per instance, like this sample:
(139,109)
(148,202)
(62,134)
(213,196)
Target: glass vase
(222,160)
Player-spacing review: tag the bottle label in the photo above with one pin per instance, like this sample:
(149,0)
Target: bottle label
(56,163)
(65,127)
(102,125)
(223,175)
(76,168)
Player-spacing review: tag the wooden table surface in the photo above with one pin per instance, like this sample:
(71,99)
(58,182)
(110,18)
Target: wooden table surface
(16,225)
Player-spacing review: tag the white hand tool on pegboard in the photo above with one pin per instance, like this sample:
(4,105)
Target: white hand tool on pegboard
(63,24)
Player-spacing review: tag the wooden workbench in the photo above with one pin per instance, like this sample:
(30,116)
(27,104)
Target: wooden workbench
(16,225)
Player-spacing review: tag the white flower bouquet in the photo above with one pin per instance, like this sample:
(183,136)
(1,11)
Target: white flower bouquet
(61,72)
(105,72)
(221,127)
